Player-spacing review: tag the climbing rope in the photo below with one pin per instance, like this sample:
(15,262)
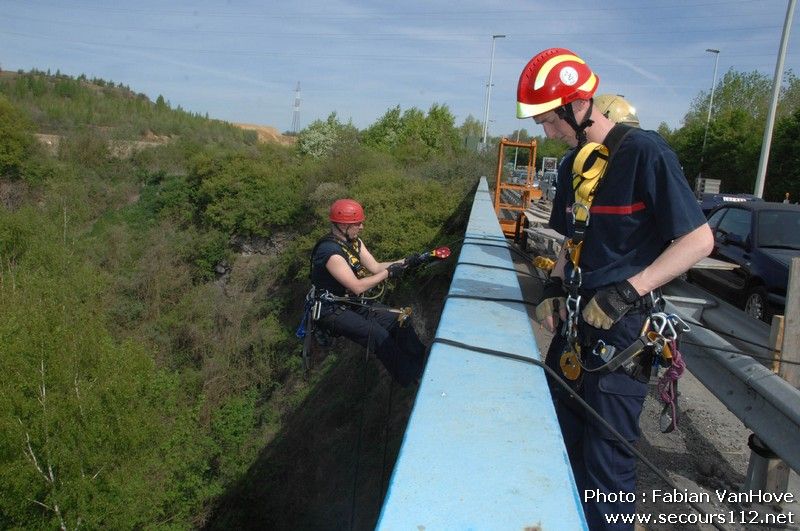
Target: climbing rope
(591,411)
(668,390)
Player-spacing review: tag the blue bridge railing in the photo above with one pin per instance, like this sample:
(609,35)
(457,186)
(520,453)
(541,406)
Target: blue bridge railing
(482,449)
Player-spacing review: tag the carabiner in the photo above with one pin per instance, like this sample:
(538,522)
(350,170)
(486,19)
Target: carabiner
(575,278)
(659,321)
(576,207)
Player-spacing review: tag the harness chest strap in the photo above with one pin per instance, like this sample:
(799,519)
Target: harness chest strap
(351,251)
(588,170)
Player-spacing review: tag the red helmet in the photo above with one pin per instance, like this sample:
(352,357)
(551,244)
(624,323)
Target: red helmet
(346,211)
(553,78)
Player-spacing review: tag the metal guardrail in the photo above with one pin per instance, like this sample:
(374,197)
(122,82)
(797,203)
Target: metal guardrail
(483,449)
(725,356)
(761,399)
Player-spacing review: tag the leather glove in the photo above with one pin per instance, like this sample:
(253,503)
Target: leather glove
(552,300)
(396,270)
(413,260)
(609,305)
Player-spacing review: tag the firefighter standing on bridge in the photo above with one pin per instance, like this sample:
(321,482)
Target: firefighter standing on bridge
(632,225)
(343,267)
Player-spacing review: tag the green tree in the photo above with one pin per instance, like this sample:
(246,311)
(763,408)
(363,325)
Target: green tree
(440,133)
(550,147)
(16,140)
(161,103)
(319,138)
(789,101)
(85,420)
(243,195)
(734,134)
(735,91)
(414,135)
(386,132)
(783,171)
(470,132)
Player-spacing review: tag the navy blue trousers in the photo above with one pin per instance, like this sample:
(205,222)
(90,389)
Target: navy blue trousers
(601,464)
(398,347)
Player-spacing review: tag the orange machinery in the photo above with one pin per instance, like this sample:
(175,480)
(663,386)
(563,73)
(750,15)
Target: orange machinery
(512,199)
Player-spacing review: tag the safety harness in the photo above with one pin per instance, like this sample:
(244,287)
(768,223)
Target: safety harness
(588,170)
(660,331)
(316,298)
(351,250)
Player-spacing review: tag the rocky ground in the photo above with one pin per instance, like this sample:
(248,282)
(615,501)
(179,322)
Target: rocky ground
(708,453)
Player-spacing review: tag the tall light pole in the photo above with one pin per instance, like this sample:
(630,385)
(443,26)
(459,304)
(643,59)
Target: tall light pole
(489,93)
(766,143)
(710,105)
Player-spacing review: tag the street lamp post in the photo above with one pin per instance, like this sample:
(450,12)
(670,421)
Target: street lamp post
(710,105)
(766,143)
(489,93)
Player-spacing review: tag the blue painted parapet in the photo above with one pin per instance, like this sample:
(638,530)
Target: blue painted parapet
(483,449)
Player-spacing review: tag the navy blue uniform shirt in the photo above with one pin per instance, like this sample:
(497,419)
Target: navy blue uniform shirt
(641,205)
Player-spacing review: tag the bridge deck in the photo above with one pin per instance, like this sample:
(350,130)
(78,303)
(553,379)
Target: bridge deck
(483,449)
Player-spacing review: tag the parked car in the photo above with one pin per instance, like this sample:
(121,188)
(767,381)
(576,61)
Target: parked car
(761,238)
(709,201)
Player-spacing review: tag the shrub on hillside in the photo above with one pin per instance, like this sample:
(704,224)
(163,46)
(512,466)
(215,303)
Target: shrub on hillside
(404,213)
(86,147)
(242,195)
(16,140)
(318,139)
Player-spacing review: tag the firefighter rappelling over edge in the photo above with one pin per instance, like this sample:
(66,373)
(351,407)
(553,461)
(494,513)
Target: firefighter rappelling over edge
(344,300)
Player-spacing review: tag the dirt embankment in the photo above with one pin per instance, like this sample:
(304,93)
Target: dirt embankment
(117,148)
(268,134)
(125,148)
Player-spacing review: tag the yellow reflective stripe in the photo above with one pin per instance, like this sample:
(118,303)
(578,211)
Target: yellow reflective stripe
(590,84)
(551,63)
(526,110)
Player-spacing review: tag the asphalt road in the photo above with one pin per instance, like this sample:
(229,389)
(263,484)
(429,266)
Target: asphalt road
(705,457)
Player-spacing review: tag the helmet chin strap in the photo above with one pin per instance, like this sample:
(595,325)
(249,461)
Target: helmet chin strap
(566,113)
(344,232)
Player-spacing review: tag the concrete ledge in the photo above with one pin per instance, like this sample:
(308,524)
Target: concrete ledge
(483,449)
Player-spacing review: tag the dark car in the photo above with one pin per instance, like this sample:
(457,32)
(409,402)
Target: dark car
(761,238)
(709,201)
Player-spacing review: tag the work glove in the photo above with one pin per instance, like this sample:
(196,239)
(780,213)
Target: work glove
(609,305)
(552,304)
(413,260)
(396,270)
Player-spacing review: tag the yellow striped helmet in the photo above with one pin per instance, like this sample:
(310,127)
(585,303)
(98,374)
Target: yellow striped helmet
(555,77)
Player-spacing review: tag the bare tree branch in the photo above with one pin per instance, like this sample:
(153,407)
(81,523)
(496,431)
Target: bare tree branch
(37,502)
(32,456)
(78,395)
(60,518)
(42,389)
(98,472)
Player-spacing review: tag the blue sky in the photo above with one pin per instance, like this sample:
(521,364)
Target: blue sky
(240,61)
